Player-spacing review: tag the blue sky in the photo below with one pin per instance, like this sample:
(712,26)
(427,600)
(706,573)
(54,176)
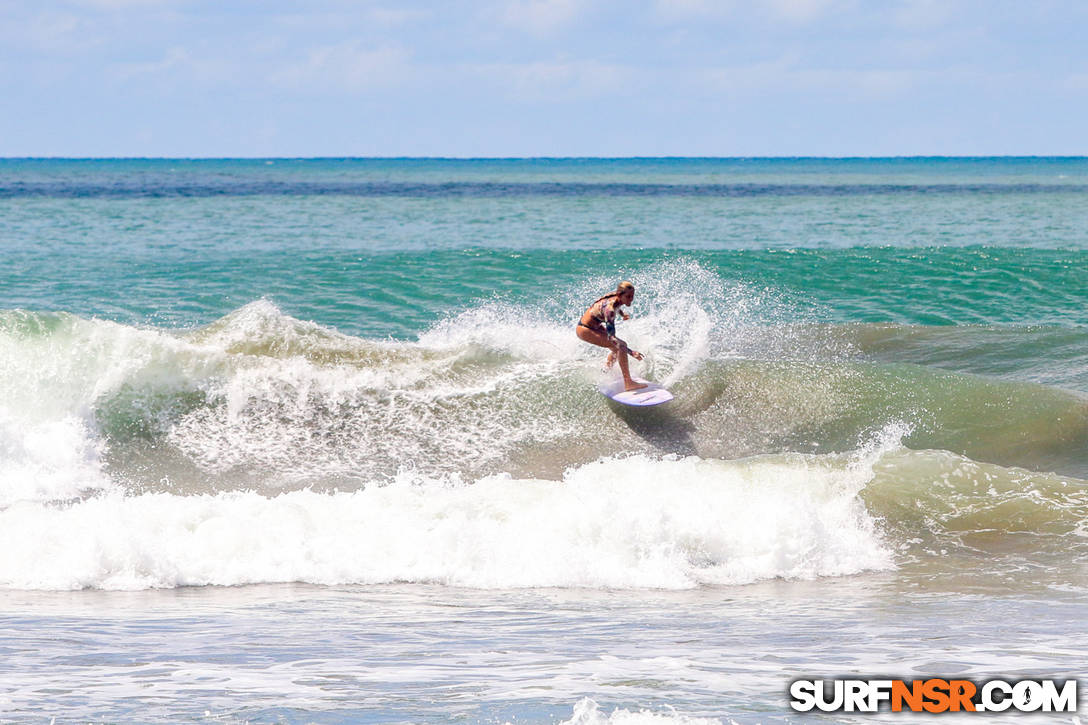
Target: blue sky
(543,78)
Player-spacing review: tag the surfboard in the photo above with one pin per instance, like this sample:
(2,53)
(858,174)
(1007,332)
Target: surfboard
(652,394)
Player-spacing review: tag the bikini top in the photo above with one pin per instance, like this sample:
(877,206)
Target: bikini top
(606,310)
(602,312)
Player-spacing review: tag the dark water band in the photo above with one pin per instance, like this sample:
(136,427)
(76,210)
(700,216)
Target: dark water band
(145,188)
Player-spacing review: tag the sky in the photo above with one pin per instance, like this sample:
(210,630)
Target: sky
(486,78)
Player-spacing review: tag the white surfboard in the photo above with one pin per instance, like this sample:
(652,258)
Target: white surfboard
(652,394)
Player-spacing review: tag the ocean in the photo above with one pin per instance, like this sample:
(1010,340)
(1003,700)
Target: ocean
(313,440)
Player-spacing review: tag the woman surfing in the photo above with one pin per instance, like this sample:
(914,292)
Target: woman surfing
(598,326)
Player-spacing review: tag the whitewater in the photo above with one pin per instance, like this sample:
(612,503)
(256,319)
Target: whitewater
(253,470)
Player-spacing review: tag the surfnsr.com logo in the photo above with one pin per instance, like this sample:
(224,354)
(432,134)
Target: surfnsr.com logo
(933,695)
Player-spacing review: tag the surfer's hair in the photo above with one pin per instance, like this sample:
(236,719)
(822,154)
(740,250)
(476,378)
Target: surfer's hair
(620,289)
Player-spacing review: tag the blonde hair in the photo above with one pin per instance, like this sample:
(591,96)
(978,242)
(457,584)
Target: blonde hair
(620,289)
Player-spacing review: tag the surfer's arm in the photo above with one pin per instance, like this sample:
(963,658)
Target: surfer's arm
(621,346)
(614,310)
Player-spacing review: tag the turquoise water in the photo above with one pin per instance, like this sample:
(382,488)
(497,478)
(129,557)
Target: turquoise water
(347,392)
(381,247)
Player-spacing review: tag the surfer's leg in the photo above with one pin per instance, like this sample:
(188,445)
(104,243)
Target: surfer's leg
(594,337)
(628,382)
(618,349)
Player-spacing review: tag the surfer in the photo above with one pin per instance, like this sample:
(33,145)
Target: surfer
(598,327)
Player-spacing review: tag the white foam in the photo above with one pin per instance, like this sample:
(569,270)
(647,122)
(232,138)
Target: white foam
(616,523)
(683,315)
(291,402)
(588,712)
(288,398)
(323,404)
(49,448)
(518,330)
(49,460)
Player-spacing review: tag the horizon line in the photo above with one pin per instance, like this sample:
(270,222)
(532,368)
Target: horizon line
(551,158)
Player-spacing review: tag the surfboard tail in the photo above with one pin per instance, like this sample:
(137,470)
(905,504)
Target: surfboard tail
(652,394)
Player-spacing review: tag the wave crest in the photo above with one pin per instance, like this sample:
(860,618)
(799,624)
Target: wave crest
(615,523)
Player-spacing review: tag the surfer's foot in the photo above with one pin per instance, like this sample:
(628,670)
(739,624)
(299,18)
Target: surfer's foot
(610,361)
(632,385)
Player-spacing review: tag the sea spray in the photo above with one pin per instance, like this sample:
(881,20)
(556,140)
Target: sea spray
(247,370)
(263,401)
(588,712)
(633,522)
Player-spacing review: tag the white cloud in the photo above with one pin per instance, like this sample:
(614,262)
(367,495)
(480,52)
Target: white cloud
(539,17)
(922,14)
(790,11)
(395,16)
(348,66)
(687,9)
(176,65)
(1076,82)
(63,30)
(49,32)
(556,80)
(339,17)
(174,58)
(801,11)
(119,4)
(781,76)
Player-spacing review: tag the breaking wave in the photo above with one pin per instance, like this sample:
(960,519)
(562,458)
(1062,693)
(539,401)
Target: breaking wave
(267,448)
